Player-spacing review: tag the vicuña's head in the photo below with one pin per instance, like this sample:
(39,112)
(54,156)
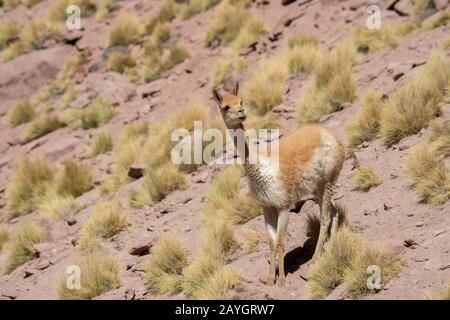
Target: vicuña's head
(231,108)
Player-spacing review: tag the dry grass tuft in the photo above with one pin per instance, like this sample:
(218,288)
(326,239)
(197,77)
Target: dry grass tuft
(233,22)
(303,58)
(164,267)
(127,29)
(8,31)
(97,113)
(20,111)
(99,274)
(219,240)
(425,163)
(105,7)
(366,178)
(443,295)
(31,37)
(4,236)
(417,102)
(251,240)
(75,179)
(446,43)
(28,184)
(120,62)
(41,126)
(345,260)
(190,8)
(220,285)
(332,85)
(369,41)
(442,18)
(106,220)
(58,207)
(102,143)
(158,182)
(264,88)
(20,246)
(366,124)
(225,200)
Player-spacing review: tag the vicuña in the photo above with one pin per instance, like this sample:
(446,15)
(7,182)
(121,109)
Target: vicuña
(309,163)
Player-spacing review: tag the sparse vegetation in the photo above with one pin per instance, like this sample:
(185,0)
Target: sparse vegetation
(220,285)
(31,37)
(208,277)
(105,7)
(9,30)
(264,88)
(366,124)
(98,112)
(28,184)
(4,236)
(417,102)
(303,58)
(225,199)
(58,207)
(106,220)
(164,267)
(251,240)
(20,247)
(20,111)
(121,62)
(232,22)
(425,163)
(345,260)
(158,183)
(366,178)
(443,295)
(371,40)
(102,143)
(193,7)
(158,63)
(99,274)
(127,29)
(75,179)
(442,18)
(41,126)
(332,84)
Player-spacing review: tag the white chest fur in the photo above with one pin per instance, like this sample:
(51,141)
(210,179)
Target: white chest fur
(265,184)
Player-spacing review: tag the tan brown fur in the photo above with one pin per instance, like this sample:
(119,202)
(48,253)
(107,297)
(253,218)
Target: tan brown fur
(309,163)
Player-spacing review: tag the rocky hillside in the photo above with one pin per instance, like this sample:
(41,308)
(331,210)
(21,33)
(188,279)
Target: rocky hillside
(86,115)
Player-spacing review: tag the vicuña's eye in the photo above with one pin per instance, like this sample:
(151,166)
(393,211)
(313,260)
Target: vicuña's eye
(226,108)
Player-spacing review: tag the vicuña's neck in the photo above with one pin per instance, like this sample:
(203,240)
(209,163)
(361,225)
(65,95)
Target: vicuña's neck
(241,144)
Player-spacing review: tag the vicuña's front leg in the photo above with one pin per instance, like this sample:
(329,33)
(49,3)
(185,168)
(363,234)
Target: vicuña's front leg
(271,221)
(283,219)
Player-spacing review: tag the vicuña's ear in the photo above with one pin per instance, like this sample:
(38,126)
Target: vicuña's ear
(236,88)
(217,96)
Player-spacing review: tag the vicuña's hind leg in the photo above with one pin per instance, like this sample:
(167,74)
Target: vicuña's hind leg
(271,222)
(326,209)
(283,219)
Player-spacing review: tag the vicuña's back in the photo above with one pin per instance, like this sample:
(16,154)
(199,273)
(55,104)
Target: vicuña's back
(308,159)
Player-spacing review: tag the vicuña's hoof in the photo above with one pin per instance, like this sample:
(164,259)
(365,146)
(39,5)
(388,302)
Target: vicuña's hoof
(282,282)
